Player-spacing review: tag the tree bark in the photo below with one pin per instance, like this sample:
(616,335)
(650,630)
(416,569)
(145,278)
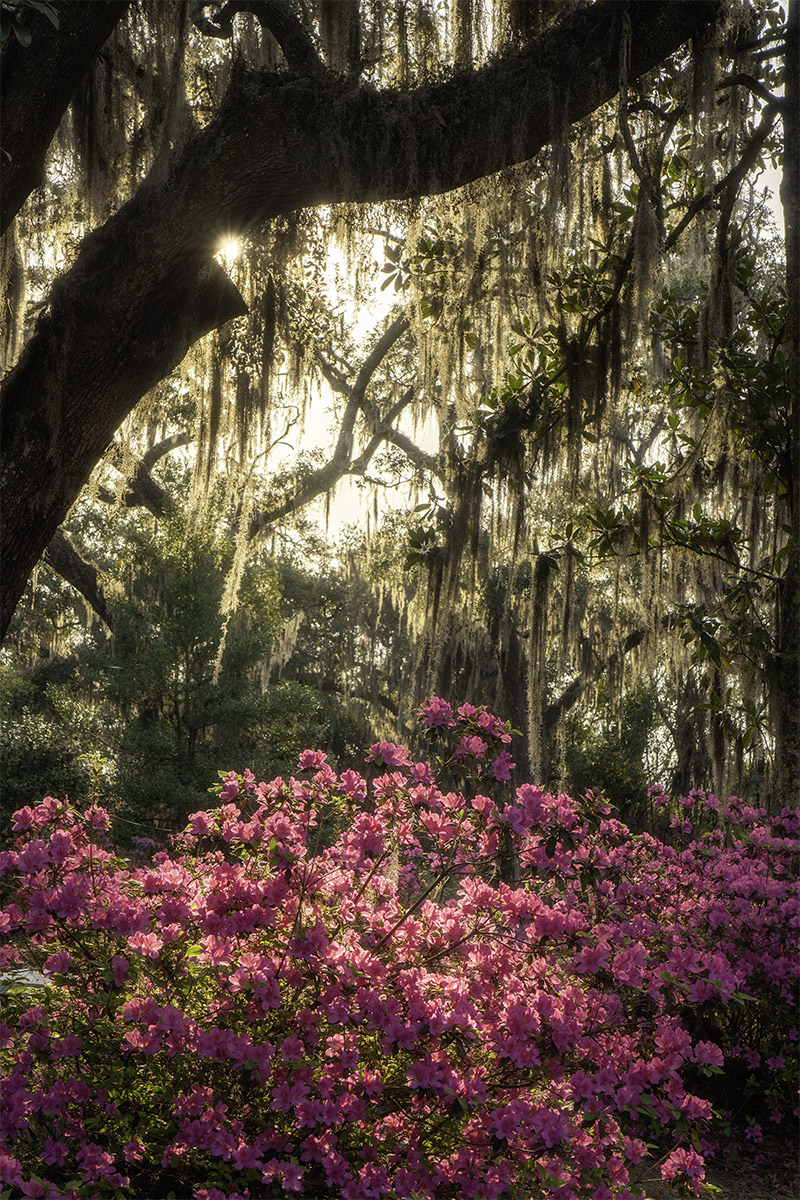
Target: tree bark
(341,462)
(39,81)
(144,286)
(143,491)
(62,556)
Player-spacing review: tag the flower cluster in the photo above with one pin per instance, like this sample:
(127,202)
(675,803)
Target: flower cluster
(469,992)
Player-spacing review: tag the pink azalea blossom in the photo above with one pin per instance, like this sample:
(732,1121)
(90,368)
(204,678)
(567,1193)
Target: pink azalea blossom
(503,765)
(436,712)
(58,964)
(148,944)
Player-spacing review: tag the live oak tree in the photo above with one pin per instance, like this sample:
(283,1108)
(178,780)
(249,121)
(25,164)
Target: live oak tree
(144,286)
(346,105)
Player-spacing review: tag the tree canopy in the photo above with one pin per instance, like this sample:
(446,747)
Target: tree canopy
(589,304)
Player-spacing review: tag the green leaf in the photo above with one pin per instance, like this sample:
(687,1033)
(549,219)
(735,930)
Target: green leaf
(22,34)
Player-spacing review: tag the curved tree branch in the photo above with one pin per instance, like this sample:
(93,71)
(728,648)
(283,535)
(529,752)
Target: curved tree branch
(143,489)
(174,442)
(420,458)
(62,556)
(575,690)
(753,85)
(341,462)
(274,15)
(732,181)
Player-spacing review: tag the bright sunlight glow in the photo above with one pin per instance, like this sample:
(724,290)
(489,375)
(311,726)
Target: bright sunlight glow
(227,252)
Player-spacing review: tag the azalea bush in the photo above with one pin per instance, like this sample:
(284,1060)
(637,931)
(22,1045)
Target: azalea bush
(419,981)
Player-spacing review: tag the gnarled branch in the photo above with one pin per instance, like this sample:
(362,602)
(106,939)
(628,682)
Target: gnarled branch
(341,462)
(274,15)
(62,556)
(143,489)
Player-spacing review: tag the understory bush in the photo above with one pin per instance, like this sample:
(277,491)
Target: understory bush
(463,989)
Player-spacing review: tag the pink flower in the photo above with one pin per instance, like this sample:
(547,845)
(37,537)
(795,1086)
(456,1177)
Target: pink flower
(292,1049)
(58,964)
(683,1162)
(247,1157)
(54,1153)
(710,1053)
(292,1176)
(553,1127)
(10,1170)
(200,824)
(96,818)
(423,1074)
(389,754)
(23,819)
(353,785)
(311,760)
(635,1149)
(33,857)
(592,958)
(37,1189)
(503,765)
(470,747)
(66,1047)
(147,944)
(61,846)
(230,786)
(120,967)
(436,712)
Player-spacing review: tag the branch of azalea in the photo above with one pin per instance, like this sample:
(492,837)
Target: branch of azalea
(298,916)
(362,889)
(437,954)
(423,896)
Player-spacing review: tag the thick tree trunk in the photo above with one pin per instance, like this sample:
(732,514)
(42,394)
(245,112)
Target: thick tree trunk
(142,289)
